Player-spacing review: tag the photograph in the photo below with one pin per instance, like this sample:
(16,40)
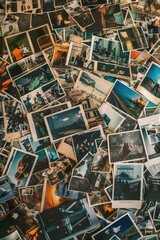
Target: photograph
(112,119)
(93,86)
(18,46)
(15,120)
(127,185)
(7,189)
(66,123)
(104,50)
(42,162)
(34,100)
(35,79)
(73,8)
(78,56)
(105,211)
(20,166)
(32,197)
(132,38)
(59,55)
(78,216)
(112,70)
(65,147)
(36,120)
(86,142)
(60,19)
(149,86)
(152,187)
(126,99)
(59,170)
(157,211)
(150,132)
(124,227)
(22,66)
(125,146)
(84,180)
(101,162)
(84,19)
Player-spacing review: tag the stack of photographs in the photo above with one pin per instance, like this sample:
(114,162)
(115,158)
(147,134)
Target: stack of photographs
(79,120)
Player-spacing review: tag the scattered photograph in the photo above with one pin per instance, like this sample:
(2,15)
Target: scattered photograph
(104,50)
(15,120)
(20,166)
(132,38)
(36,120)
(7,189)
(78,56)
(127,185)
(60,55)
(146,7)
(18,46)
(122,227)
(149,86)
(125,146)
(99,198)
(66,123)
(126,99)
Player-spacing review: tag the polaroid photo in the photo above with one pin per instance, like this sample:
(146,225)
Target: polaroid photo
(66,123)
(32,197)
(15,120)
(18,46)
(48,54)
(143,7)
(10,26)
(18,218)
(60,55)
(28,6)
(78,56)
(19,68)
(85,220)
(59,170)
(93,86)
(34,100)
(34,79)
(60,19)
(85,142)
(127,185)
(132,38)
(112,119)
(73,31)
(125,146)
(98,198)
(112,70)
(20,166)
(149,86)
(108,51)
(7,189)
(68,79)
(121,227)
(126,99)
(37,123)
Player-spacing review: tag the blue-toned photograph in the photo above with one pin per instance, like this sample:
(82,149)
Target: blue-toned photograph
(124,228)
(7,189)
(66,123)
(127,100)
(20,167)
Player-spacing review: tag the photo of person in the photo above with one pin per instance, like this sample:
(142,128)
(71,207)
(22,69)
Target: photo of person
(18,46)
(20,166)
(16,124)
